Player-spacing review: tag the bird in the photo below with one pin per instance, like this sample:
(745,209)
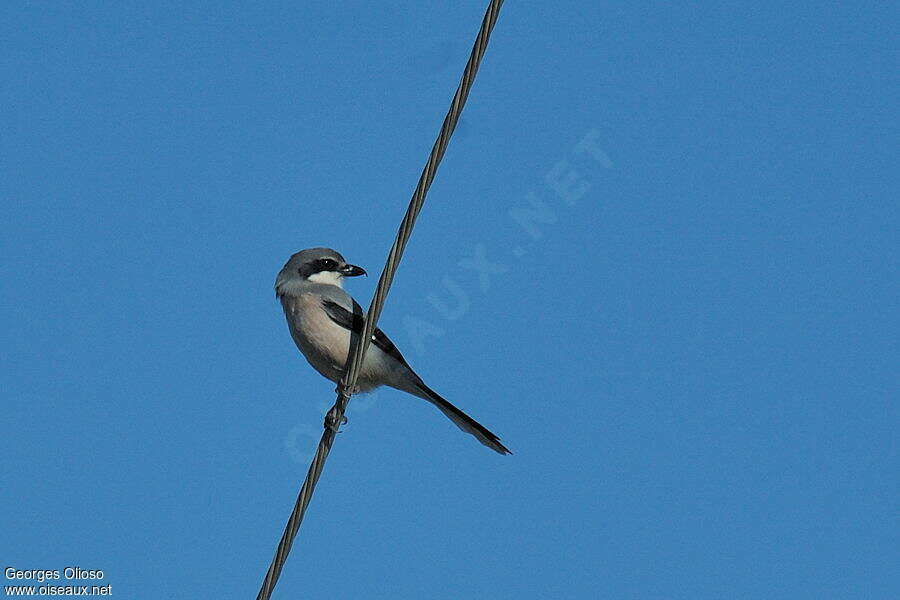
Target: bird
(321,316)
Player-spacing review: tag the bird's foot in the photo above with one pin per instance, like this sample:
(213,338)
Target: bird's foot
(333,422)
(340,389)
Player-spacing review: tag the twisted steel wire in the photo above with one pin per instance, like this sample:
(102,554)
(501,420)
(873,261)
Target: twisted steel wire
(361,343)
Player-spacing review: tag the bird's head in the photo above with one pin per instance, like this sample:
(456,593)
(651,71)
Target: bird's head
(316,265)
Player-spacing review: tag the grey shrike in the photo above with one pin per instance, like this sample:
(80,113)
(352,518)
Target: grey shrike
(320,316)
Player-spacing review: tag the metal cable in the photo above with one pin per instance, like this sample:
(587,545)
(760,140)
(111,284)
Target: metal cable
(360,344)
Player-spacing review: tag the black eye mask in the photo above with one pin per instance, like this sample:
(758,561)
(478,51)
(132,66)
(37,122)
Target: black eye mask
(319,265)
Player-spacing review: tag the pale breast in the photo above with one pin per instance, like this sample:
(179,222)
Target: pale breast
(324,343)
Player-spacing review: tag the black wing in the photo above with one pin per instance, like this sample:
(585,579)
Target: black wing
(354,322)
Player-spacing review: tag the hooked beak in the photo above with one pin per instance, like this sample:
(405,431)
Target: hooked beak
(352,271)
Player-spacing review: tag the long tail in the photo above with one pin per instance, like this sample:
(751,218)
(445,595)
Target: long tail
(461,419)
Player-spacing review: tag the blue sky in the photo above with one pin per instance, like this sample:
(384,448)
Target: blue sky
(689,343)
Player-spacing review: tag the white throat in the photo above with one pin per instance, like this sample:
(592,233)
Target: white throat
(328,278)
